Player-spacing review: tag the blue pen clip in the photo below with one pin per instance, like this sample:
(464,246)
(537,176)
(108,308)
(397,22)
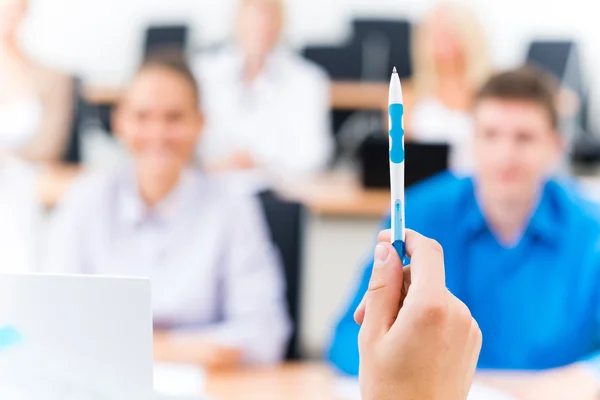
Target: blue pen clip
(398,243)
(400,247)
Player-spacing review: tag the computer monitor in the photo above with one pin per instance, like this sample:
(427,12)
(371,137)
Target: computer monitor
(85,337)
(423,160)
(167,37)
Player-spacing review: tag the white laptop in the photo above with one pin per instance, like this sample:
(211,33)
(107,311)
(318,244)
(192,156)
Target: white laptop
(75,337)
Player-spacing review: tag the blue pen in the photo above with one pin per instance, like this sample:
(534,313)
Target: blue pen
(396,113)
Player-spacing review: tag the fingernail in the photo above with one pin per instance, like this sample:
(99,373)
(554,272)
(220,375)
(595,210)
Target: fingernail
(381,253)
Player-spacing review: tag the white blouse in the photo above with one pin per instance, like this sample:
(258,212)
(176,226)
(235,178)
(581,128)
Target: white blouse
(21,216)
(433,122)
(281,119)
(19,123)
(207,253)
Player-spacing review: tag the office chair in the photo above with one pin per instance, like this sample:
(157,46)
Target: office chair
(385,44)
(375,47)
(555,58)
(166,37)
(72,153)
(562,60)
(341,62)
(286,225)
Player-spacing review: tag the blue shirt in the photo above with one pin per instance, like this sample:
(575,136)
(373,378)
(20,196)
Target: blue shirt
(537,303)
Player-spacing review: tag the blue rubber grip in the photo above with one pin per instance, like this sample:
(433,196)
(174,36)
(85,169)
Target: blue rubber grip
(400,247)
(396,112)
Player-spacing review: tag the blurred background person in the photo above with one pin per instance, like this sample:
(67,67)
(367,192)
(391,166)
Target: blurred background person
(267,109)
(450,62)
(35,119)
(35,101)
(218,294)
(520,249)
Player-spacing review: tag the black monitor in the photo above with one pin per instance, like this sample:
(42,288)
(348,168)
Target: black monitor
(385,44)
(166,37)
(423,160)
(552,56)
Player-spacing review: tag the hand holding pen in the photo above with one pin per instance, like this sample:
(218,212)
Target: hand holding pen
(396,113)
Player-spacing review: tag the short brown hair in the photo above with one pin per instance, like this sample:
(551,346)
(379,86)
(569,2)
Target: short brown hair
(524,84)
(174,61)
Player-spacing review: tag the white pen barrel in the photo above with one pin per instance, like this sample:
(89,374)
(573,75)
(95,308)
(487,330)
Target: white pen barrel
(397,198)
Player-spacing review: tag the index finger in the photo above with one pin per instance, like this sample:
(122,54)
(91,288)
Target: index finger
(385,236)
(427,261)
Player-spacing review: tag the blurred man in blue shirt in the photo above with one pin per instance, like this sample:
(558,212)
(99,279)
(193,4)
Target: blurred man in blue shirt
(520,250)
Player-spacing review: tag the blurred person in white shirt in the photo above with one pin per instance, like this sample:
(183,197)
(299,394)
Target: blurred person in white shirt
(267,109)
(218,293)
(451,61)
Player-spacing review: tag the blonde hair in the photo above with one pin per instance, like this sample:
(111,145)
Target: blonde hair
(471,38)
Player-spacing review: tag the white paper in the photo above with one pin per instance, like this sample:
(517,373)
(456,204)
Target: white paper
(179,381)
(482,392)
(348,389)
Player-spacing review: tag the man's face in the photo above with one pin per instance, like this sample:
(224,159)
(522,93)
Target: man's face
(515,147)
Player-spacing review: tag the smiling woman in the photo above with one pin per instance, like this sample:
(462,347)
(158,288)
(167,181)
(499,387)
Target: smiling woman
(158,121)
(217,291)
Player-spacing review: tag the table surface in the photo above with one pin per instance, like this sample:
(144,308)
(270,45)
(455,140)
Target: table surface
(306,381)
(345,95)
(338,194)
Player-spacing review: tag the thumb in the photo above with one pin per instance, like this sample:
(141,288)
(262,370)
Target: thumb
(382,300)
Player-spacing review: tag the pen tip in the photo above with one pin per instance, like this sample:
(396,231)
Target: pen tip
(394,71)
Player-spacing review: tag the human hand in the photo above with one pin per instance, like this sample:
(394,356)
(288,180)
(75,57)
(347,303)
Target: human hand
(242,159)
(239,160)
(194,349)
(417,340)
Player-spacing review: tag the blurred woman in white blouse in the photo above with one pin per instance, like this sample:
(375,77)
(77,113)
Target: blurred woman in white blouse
(35,117)
(267,109)
(450,62)
(35,101)
(218,291)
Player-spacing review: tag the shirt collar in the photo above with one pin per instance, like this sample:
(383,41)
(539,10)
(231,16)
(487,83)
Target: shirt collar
(473,221)
(543,223)
(270,71)
(133,210)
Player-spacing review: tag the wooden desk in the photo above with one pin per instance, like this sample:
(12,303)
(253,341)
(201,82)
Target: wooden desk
(338,194)
(102,95)
(289,382)
(359,96)
(344,95)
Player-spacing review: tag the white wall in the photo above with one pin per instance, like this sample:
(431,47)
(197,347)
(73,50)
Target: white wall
(100,39)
